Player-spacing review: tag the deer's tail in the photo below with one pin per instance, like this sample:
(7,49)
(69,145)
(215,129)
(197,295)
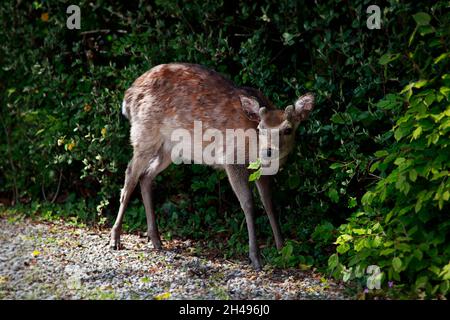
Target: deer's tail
(125,110)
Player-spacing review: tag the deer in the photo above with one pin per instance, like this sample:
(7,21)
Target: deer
(175,95)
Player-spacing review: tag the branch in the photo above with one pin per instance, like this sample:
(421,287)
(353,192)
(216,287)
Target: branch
(57,189)
(11,162)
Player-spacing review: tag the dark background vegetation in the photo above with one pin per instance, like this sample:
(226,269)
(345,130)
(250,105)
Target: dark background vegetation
(357,190)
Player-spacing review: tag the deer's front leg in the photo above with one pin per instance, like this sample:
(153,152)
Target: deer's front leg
(238,176)
(263,184)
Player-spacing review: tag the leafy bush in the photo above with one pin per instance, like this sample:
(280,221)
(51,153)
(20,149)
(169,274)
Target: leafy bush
(404,224)
(64,140)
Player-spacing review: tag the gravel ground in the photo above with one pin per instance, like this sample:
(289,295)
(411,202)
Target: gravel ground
(40,260)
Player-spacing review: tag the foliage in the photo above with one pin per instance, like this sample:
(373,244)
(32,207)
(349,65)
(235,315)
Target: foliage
(404,223)
(65,143)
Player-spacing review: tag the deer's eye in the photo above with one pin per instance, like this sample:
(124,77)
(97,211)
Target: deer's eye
(287,131)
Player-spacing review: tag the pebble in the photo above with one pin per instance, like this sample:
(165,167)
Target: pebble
(75,263)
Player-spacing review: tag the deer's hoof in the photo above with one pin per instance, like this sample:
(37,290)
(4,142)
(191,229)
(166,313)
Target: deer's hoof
(157,245)
(115,244)
(256,263)
(257,267)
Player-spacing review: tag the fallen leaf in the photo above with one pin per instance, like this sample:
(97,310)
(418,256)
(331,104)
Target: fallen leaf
(163,296)
(3,279)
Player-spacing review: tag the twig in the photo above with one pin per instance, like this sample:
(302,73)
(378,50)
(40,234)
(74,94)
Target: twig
(374,175)
(59,186)
(57,189)
(277,55)
(185,20)
(13,167)
(95,31)
(243,34)
(43,191)
(118,14)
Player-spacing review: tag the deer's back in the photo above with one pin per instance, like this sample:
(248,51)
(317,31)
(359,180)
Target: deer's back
(178,94)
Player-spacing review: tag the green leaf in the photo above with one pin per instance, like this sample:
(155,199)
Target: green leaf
(333,261)
(255,165)
(445,91)
(419,84)
(444,287)
(434,269)
(424,30)
(367,198)
(346,275)
(422,18)
(287,251)
(288,39)
(387,251)
(359,245)
(333,195)
(399,161)
(413,175)
(39,132)
(395,100)
(446,195)
(418,254)
(11,91)
(343,238)
(397,264)
(441,57)
(343,248)
(336,165)
(255,175)
(381,153)
(418,205)
(388,57)
(352,202)
(359,231)
(338,118)
(404,247)
(399,133)
(294,181)
(421,282)
(374,166)
(445,273)
(416,133)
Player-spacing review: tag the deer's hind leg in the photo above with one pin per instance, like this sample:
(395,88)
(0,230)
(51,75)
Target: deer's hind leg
(135,168)
(156,165)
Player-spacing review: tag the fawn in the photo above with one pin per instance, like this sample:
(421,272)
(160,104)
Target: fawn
(177,96)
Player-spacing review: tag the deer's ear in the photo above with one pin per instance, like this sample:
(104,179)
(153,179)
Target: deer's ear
(303,107)
(250,107)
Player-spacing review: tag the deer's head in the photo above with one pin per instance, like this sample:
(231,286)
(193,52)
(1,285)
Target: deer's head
(277,127)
